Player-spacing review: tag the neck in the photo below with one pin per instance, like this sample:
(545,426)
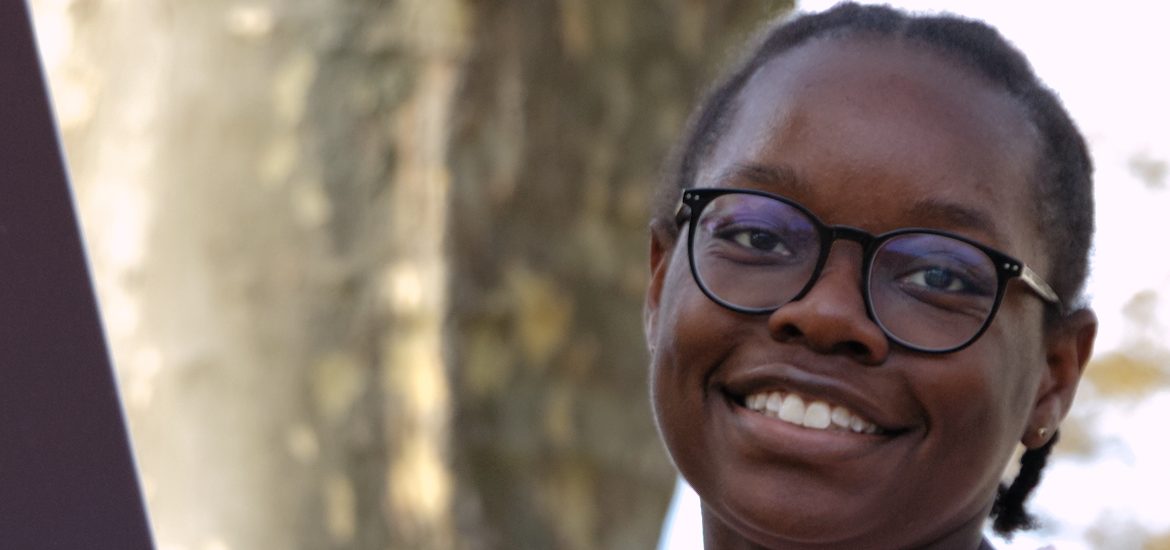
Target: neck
(718,535)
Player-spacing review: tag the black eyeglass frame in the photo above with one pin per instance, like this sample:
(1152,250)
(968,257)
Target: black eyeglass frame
(694,200)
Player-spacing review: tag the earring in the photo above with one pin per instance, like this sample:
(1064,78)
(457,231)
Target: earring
(1042,432)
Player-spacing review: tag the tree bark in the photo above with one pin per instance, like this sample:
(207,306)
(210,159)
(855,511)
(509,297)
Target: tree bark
(565,117)
(372,271)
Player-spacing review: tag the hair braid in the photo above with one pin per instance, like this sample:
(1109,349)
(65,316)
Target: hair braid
(1008,511)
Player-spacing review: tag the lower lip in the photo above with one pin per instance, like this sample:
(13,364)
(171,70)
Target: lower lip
(787,440)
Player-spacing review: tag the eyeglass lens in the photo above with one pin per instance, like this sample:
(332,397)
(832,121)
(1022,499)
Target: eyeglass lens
(926,290)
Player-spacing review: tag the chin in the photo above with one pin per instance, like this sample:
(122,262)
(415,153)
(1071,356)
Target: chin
(772,518)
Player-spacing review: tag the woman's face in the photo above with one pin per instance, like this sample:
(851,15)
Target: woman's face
(876,135)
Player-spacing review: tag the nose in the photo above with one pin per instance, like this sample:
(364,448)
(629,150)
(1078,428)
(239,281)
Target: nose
(831,317)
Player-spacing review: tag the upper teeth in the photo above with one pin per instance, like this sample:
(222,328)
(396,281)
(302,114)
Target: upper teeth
(809,413)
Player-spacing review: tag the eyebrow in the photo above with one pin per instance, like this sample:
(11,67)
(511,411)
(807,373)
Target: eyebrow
(782,179)
(778,178)
(954,215)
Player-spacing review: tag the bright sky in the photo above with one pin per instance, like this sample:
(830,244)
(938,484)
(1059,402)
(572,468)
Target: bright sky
(1110,68)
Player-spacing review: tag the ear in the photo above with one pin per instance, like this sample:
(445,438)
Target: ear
(662,241)
(1068,347)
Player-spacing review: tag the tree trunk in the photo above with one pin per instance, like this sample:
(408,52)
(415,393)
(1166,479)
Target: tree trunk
(372,271)
(565,117)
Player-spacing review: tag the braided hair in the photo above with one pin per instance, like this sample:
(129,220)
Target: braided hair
(1062,182)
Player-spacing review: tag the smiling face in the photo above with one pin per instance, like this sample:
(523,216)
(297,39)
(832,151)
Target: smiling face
(807,427)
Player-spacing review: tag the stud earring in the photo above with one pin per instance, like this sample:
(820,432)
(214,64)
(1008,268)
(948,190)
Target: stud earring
(1042,432)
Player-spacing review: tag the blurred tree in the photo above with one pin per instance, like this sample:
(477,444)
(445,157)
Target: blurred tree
(372,270)
(564,119)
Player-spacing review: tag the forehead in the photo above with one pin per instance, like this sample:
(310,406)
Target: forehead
(889,124)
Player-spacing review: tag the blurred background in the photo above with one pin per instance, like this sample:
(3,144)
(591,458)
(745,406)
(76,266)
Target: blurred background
(372,271)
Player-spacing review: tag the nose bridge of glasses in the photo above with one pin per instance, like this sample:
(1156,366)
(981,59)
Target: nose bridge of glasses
(855,264)
(836,233)
(849,233)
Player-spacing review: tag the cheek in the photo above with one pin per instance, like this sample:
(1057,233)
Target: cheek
(1018,339)
(669,337)
(681,323)
(691,338)
(980,402)
(680,332)
(994,388)
(976,405)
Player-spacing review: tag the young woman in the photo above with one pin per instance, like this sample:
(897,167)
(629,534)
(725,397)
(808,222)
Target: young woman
(865,286)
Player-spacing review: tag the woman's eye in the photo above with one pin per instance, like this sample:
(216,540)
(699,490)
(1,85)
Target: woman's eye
(762,241)
(938,278)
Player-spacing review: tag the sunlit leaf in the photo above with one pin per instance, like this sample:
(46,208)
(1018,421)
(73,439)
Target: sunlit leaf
(1150,170)
(1129,374)
(1077,440)
(1160,541)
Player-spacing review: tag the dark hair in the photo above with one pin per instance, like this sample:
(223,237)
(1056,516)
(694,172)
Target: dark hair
(1062,180)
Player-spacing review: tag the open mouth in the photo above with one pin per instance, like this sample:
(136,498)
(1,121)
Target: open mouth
(807,412)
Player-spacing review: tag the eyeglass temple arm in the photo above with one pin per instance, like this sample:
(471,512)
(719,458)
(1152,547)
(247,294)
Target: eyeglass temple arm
(1037,284)
(682,214)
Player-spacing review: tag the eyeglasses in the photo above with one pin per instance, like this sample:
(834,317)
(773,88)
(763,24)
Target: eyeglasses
(929,291)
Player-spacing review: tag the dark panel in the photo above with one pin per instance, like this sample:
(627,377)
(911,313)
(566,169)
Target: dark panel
(67,476)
